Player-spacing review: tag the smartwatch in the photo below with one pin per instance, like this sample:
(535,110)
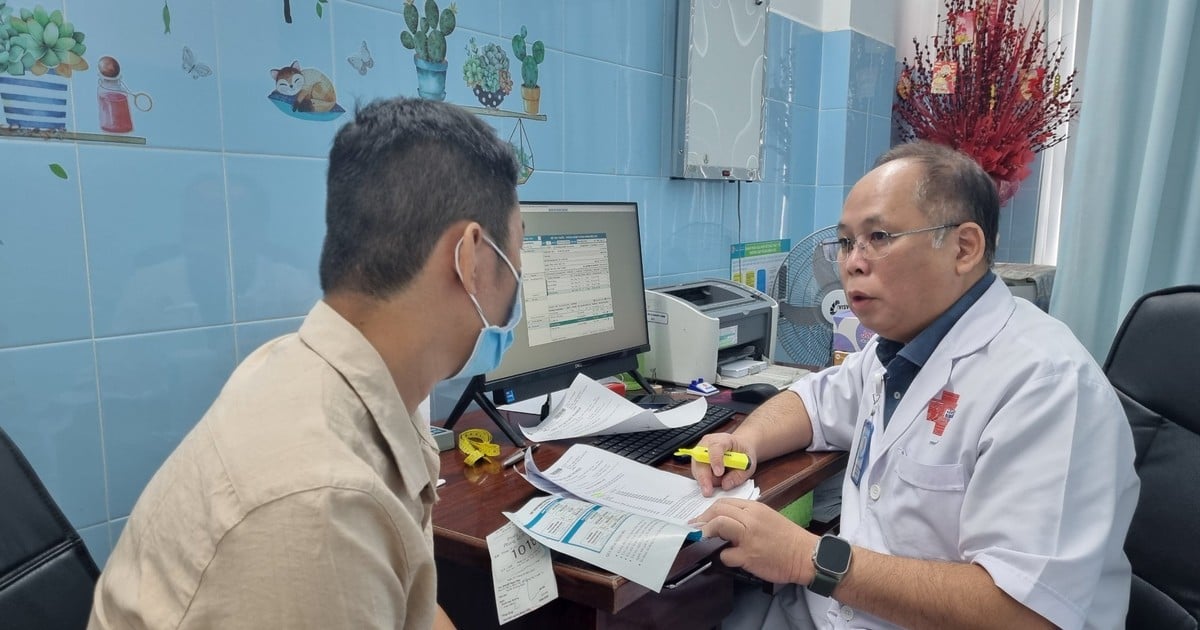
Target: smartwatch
(831,558)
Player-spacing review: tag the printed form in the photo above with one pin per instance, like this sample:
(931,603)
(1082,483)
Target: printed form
(637,548)
(615,513)
(522,573)
(596,475)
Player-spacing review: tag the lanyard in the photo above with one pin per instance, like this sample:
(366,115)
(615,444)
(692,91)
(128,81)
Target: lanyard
(864,437)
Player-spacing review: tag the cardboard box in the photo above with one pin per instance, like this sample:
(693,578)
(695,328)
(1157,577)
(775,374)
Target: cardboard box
(849,335)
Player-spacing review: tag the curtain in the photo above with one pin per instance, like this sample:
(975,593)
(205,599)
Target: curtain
(1067,21)
(1131,215)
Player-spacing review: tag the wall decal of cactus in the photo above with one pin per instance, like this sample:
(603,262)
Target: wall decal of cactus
(530,91)
(529,59)
(426,37)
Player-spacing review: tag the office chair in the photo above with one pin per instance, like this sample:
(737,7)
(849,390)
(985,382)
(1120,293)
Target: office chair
(1154,364)
(46,573)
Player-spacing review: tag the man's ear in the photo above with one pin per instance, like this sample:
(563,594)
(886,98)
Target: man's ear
(969,247)
(471,236)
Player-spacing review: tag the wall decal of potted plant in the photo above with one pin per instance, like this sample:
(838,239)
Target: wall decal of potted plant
(486,71)
(529,69)
(426,37)
(48,47)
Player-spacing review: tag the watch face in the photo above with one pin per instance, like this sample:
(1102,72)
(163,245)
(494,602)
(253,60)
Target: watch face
(833,554)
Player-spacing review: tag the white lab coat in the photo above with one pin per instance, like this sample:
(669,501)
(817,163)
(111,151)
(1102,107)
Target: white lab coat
(1032,478)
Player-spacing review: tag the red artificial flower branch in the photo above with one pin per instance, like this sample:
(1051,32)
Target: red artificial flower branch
(988,86)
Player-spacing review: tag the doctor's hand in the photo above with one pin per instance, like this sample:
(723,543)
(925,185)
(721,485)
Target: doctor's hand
(763,541)
(715,474)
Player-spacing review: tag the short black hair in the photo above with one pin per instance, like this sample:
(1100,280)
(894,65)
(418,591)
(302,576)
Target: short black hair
(953,189)
(400,174)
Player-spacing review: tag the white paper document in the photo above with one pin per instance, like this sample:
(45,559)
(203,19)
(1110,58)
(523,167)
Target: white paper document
(608,479)
(637,548)
(590,408)
(522,573)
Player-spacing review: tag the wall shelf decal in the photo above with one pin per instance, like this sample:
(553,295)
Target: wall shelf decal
(68,136)
(503,113)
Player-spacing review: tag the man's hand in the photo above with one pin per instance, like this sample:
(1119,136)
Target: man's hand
(779,426)
(714,474)
(764,542)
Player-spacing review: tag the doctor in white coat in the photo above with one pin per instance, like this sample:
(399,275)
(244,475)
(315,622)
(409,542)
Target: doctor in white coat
(990,480)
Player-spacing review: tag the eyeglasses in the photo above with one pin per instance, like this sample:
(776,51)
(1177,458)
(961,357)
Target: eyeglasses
(876,246)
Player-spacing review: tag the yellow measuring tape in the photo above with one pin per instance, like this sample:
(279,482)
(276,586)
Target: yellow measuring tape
(477,444)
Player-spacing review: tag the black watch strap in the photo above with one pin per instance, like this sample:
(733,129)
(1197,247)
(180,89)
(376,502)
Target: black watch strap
(823,584)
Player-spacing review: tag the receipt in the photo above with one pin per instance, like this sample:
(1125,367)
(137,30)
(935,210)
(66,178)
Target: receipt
(522,573)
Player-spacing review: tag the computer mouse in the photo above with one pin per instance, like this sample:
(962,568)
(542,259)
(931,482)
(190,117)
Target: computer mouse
(754,393)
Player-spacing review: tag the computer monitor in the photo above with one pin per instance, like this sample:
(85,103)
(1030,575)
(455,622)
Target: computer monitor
(584,302)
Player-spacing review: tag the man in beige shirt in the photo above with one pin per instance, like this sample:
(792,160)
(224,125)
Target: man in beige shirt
(303,498)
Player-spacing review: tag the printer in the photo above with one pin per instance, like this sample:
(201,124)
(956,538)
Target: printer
(697,327)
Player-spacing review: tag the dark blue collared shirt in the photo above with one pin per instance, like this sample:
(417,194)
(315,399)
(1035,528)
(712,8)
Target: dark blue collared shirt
(903,361)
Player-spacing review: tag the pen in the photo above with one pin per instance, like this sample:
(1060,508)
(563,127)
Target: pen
(517,456)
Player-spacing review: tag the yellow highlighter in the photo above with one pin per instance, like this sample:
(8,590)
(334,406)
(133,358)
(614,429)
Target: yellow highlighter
(732,459)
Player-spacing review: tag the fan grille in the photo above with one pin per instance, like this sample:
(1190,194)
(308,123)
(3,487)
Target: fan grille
(805,287)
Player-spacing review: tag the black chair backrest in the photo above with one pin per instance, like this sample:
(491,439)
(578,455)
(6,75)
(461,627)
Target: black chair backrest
(1154,365)
(46,574)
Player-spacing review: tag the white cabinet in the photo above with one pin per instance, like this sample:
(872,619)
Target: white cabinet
(720,64)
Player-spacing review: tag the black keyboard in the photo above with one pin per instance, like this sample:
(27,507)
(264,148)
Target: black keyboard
(652,447)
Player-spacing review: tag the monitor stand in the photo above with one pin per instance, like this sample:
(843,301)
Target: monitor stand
(641,380)
(475,393)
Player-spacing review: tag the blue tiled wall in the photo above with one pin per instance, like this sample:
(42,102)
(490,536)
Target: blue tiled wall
(1018,220)
(857,84)
(134,286)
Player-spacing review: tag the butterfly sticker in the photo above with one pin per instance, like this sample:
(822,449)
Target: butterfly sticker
(363,61)
(192,67)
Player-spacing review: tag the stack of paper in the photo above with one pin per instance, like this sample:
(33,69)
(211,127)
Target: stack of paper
(780,376)
(615,513)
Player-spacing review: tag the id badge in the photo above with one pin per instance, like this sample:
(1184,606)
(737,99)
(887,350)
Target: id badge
(864,452)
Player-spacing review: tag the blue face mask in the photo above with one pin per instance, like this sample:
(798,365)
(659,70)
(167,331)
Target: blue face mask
(493,341)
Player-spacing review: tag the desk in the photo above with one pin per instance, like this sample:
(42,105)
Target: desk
(470,506)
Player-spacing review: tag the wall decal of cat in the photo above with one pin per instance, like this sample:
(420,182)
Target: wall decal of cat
(305,93)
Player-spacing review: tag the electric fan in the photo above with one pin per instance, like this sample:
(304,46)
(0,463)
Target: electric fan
(809,292)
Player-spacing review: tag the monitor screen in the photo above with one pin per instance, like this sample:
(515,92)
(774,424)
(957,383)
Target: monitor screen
(584,298)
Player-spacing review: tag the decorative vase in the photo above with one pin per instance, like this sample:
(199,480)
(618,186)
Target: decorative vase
(36,102)
(431,79)
(532,97)
(488,99)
